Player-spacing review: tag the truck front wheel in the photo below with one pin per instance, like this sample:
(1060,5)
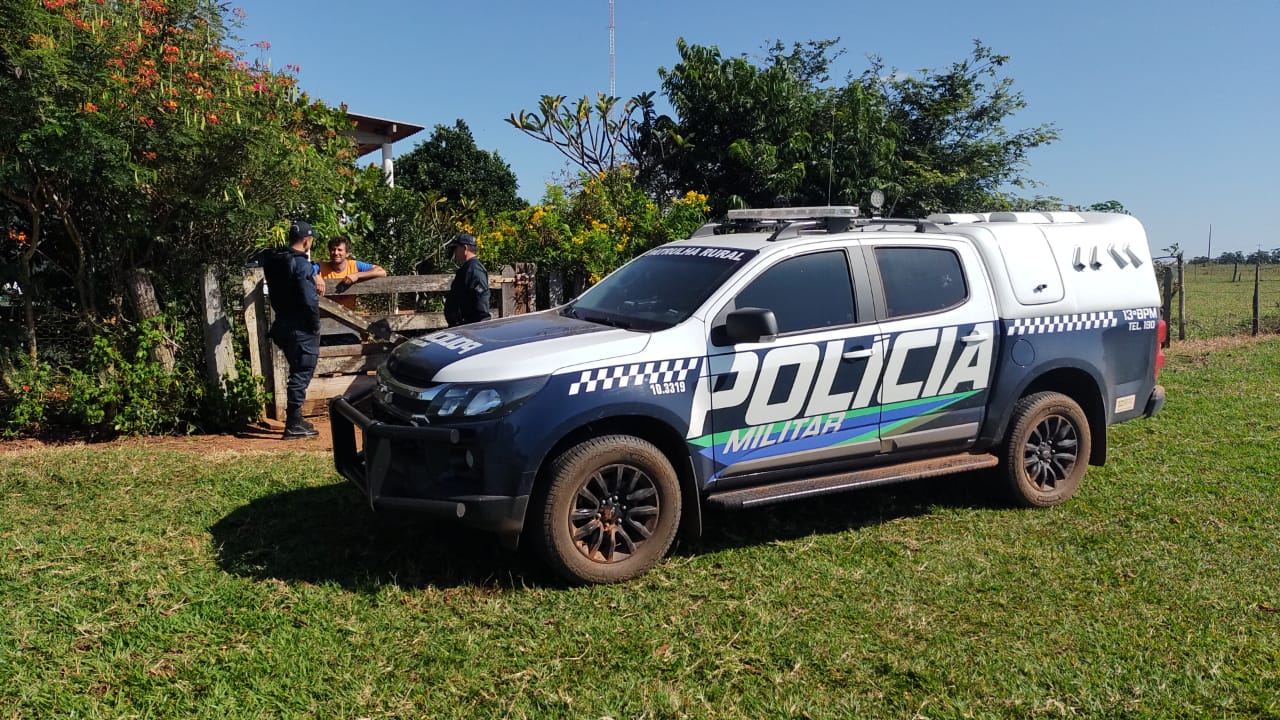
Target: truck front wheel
(1047,451)
(611,510)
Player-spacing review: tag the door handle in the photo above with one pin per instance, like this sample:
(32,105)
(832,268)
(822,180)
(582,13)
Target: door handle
(976,337)
(859,354)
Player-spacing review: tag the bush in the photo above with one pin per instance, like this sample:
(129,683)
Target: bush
(122,389)
(590,232)
(29,388)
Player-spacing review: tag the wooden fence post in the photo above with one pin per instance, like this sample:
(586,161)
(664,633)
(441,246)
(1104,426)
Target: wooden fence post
(1257,286)
(527,279)
(219,353)
(1166,298)
(263,354)
(508,291)
(555,287)
(1182,303)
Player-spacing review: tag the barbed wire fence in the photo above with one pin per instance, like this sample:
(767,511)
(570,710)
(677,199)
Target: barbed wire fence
(1214,300)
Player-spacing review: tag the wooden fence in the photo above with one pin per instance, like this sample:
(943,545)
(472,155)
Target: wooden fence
(344,366)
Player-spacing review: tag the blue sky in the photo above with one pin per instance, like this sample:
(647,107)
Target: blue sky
(1170,107)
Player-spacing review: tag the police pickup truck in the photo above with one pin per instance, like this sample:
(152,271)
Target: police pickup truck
(781,354)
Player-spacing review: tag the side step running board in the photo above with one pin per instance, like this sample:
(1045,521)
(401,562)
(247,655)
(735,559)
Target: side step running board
(827,484)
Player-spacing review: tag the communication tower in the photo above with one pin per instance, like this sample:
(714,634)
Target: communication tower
(611,86)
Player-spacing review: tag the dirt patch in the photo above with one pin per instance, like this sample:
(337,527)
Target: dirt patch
(1216,344)
(263,437)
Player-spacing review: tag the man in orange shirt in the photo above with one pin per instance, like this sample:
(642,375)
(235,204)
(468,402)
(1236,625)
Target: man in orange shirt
(347,270)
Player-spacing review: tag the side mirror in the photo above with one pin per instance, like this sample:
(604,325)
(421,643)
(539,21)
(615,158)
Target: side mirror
(750,325)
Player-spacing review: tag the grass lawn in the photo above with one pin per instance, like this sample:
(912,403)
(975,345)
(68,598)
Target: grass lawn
(144,583)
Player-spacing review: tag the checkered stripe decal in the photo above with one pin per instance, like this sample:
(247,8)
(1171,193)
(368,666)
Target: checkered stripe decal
(1063,323)
(638,374)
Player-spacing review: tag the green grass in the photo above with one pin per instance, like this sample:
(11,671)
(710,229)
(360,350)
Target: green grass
(144,583)
(1216,306)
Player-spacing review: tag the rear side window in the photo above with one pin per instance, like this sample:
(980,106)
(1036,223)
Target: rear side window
(920,280)
(808,292)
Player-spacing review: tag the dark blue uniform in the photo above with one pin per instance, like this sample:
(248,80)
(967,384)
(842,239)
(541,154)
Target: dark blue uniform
(468,297)
(296,328)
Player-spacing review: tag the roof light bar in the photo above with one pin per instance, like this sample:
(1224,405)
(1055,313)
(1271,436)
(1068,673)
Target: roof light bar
(795,213)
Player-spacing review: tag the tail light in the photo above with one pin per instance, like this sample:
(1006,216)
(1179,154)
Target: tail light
(1162,333)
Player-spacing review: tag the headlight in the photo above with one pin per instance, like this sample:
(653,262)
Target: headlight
(458,400)
(482,399)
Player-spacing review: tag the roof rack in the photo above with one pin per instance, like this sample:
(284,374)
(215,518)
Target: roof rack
(789,223)
(921,226)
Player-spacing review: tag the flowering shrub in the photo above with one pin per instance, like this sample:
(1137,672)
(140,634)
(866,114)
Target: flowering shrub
(30,388)
(590,232)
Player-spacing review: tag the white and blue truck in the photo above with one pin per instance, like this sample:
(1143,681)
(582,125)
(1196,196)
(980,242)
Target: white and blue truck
(780,354)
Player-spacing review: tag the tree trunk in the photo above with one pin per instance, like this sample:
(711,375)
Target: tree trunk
(88,309)
(28,301)
(28,287)
(32,204)
(142,293)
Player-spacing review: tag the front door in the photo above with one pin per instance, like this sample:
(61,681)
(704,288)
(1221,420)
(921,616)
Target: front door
(806,397)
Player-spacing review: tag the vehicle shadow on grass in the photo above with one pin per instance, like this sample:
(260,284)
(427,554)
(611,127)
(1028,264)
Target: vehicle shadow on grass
(840,512)
(327,535)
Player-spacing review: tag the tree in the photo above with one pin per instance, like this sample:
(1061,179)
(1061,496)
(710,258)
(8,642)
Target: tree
(450,164)
(779,131)
(953,148)
(1109,206)
(138,140)
(399,228)
(1227,258)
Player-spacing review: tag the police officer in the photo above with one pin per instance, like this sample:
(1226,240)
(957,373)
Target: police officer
(468,297)
(295,296)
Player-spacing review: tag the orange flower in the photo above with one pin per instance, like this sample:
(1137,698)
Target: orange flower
(169,105)
(213,119)
(146,121)
(149,154)
(89,107)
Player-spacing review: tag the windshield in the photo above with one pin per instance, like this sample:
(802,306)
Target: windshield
(658,289)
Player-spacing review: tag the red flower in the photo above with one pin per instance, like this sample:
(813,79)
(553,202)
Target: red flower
(26,388)
(146,121)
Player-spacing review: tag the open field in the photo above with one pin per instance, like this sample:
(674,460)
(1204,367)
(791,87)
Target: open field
(137,582)
(1216,306)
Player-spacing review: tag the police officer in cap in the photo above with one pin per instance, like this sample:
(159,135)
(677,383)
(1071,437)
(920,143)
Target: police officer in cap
(294,293)
(468,297)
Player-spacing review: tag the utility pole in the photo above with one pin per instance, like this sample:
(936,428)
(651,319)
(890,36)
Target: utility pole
(612,90)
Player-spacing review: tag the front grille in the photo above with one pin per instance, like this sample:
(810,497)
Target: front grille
(401,397)
(404,372)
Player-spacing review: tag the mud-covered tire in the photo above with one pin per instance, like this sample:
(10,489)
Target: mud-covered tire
(610,511)
(1047,450)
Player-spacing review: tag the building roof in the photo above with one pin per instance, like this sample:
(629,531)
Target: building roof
(371,133)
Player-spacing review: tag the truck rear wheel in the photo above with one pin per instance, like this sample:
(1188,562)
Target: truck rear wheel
(1047,451)
(611,511)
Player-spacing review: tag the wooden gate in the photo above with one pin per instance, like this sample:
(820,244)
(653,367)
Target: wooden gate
(348,366)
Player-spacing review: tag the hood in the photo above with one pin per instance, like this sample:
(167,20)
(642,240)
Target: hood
(509,348)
